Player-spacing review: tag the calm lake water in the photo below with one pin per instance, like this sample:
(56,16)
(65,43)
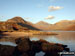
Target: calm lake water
(66,38)
(8,43)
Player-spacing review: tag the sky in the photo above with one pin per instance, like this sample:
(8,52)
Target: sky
(50,11)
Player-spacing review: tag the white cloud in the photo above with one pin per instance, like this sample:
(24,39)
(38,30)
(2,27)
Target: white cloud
(54,8)
(50,17)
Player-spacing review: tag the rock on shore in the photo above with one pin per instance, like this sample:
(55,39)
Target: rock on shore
(25,47)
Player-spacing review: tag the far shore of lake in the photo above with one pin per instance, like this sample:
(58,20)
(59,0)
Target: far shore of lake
(20,34)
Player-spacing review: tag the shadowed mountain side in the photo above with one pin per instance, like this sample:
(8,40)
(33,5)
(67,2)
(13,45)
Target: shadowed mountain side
(20,21)
(28,26)
(10,26)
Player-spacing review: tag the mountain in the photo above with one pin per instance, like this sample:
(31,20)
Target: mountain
(17,20)
(61,25)
(70,28)
(9,26)
(42,25)
(20,21)
(65,22)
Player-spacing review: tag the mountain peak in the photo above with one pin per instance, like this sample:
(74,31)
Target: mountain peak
(42,22)
(65,22)
(17,20)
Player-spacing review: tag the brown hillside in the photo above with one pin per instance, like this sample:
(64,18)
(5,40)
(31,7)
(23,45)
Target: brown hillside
(70,28)
(20,21)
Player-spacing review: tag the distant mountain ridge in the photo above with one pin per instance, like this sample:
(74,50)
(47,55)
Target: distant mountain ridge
(21,24)
(42,23)
(61,25)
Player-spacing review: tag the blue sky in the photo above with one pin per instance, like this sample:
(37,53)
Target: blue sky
(38,10)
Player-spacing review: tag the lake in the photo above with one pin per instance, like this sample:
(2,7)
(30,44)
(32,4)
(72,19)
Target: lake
(67,38)
(63,37)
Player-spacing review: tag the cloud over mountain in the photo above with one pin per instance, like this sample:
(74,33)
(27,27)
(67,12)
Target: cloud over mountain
(50,17)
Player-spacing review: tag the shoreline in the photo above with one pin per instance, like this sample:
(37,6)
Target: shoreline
(21,34)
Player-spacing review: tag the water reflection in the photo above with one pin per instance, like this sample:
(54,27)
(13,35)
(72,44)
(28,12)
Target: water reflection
(40,54)
(8,43)
(34,38)
(67,38)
